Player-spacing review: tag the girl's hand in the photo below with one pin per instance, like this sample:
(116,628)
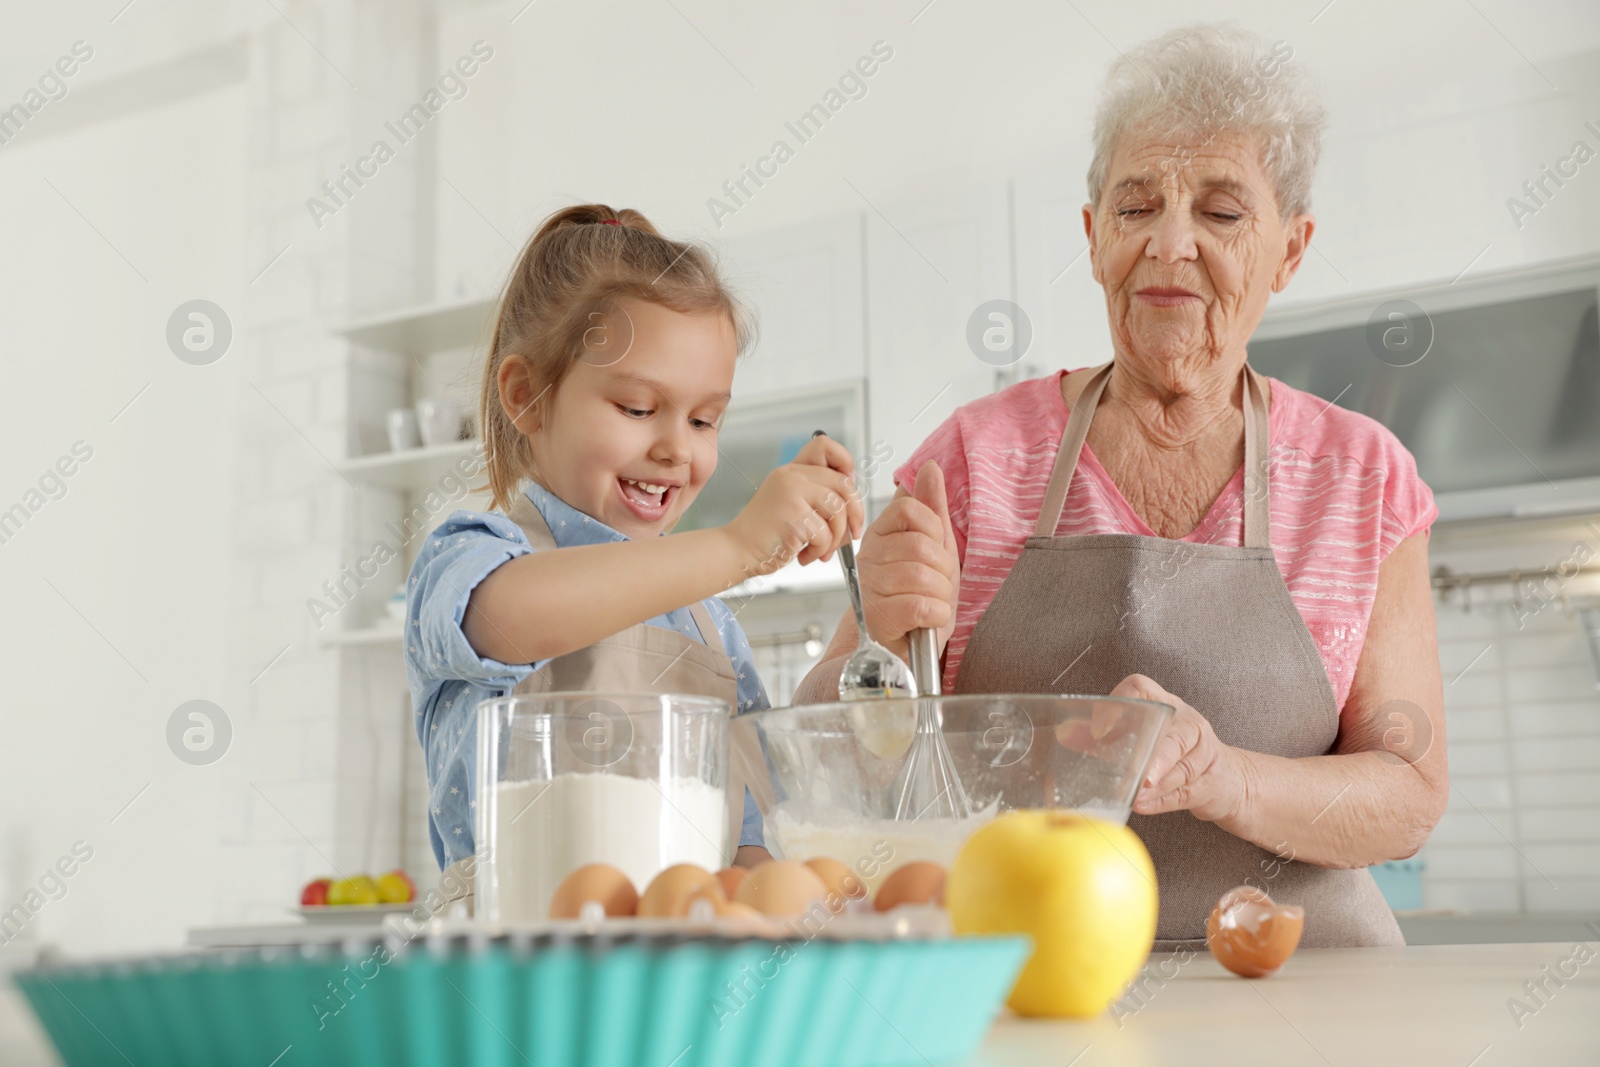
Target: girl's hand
(1191,770)
(910,572)
(803,510)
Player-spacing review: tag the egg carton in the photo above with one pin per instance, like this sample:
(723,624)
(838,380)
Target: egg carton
(617,993)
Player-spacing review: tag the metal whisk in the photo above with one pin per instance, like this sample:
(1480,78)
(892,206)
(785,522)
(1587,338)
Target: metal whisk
(928,785)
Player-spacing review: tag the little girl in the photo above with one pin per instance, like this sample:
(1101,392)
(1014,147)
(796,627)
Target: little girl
(605,384)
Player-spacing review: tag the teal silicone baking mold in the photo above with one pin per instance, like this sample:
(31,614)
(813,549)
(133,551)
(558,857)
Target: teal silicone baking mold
(547,1000)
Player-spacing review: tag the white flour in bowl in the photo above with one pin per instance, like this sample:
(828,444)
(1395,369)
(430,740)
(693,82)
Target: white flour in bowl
(545,829)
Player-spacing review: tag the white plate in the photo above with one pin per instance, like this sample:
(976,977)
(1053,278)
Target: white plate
(350,913)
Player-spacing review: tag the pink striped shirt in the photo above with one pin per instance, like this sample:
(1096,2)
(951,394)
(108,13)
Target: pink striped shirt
(1345,492)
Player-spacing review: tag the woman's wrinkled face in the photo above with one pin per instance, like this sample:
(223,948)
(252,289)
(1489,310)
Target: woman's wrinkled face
(1188,243)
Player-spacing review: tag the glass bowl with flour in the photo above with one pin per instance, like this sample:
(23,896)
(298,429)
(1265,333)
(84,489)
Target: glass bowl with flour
(637,781)
(833,769)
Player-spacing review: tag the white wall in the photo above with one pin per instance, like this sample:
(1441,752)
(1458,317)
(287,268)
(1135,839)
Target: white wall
(189,544)
(138,551)
(1436,118)
(1522,721)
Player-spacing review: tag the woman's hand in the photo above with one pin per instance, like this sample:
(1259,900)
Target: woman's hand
(1191,770)
(910,573)
(803,510)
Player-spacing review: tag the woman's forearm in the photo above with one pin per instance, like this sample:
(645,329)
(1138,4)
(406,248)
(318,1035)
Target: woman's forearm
(1349,810)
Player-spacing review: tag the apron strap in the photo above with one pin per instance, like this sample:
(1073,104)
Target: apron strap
(537,531)
(1257,502)
(709,634)
(1257,490)
(1072,438)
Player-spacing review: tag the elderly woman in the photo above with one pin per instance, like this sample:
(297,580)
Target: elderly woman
(1172,525)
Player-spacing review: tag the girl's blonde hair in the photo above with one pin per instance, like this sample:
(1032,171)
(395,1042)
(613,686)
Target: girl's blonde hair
(584,261)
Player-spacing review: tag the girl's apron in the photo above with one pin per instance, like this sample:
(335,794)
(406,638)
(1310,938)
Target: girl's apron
(644,659)
(1212,624)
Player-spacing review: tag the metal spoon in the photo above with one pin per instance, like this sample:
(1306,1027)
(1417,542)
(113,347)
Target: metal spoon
(872,672)
(874,681)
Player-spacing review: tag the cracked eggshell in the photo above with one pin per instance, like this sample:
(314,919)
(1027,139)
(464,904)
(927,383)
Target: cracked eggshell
(1251,934)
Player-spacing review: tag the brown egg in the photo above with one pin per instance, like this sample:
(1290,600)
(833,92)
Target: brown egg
(918,882)
(840,881)
(1251,934)
(669,893)
(732,909)
(730,877)
(742,919)
(594,882)
(782,888)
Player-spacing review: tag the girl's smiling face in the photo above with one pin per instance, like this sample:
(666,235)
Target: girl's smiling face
(629,437)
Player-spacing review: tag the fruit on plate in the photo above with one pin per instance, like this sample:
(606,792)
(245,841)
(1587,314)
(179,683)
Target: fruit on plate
(358,890)
(1251,934)
(315,894)
(1082,888)
(396,888)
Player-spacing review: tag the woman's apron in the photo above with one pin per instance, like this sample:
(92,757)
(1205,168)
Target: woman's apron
(1212,624)
(644,659)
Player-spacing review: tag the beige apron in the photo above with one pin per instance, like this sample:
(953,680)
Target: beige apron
(1213,625)
(646,659)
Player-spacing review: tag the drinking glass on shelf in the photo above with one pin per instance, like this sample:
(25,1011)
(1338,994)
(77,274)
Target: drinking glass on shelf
(402,427)
(439,421)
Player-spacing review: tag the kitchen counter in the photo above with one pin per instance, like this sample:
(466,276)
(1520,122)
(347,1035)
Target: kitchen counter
(1424,1005)
(1430,1004)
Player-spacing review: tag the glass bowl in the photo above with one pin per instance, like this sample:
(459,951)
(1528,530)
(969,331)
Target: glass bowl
(834,768)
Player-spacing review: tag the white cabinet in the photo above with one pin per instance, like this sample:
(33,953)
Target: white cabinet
(929,266)
(1055,283)
(805,285)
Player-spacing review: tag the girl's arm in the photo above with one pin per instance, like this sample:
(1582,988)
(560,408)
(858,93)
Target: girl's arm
(803,510)
(589,592)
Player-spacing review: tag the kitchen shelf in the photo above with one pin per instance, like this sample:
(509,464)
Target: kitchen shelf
(410,469)
(418,331)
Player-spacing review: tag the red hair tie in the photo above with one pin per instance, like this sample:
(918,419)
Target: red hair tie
(611,222)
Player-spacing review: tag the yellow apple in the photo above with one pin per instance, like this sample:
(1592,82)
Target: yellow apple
(1082,888)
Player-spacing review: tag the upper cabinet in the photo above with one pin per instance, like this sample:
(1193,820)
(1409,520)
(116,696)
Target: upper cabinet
(930,265)
(805,285)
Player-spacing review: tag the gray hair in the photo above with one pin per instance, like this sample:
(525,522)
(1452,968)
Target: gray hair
(1194,83)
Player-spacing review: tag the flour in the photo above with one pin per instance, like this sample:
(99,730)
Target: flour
(545,829)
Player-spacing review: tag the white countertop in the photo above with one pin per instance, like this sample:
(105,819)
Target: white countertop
(1424,1005)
